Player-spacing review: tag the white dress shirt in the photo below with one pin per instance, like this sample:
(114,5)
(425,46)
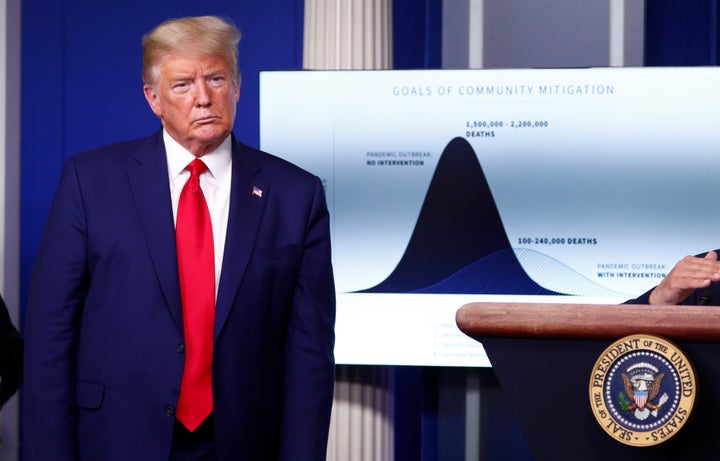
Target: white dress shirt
(214,182)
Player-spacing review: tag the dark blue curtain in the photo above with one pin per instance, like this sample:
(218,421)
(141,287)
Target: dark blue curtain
(681,33)
(417,34)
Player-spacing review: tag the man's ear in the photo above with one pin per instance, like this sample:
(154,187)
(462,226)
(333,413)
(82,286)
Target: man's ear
(238,86)
(151,97)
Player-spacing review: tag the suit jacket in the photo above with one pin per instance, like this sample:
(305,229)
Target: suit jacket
(709,296)
(104,334)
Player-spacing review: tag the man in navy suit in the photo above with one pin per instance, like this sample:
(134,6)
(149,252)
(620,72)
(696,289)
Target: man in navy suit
(107,335)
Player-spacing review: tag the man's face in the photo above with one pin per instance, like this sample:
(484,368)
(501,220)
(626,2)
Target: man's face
(195,97)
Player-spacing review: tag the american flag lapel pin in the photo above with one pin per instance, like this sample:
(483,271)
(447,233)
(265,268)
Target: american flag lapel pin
(257,192)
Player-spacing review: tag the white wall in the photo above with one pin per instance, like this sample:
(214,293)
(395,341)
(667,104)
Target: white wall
(542,33)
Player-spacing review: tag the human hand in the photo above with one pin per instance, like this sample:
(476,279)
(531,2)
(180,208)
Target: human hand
(689,274)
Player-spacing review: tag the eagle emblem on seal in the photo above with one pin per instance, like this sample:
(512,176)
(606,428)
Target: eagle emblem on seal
(641,389)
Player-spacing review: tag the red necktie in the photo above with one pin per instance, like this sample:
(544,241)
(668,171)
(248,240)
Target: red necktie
(196,264)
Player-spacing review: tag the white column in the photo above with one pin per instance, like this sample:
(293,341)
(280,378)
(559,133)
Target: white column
(10,195)
(627,42)
(347,34)
(463,30)
(361,427)
(344,35)
(476,32)
(617,33)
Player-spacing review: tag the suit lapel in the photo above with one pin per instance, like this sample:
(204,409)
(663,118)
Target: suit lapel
(246,208)
(149,182)
(152,198)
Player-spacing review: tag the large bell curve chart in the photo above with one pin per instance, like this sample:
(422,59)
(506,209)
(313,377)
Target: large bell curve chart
(446,187)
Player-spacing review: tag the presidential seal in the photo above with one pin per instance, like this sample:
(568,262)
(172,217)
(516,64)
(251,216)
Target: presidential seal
(642,390)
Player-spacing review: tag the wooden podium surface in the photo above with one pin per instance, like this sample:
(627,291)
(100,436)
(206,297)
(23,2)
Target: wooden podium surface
(543,356)
(588,321)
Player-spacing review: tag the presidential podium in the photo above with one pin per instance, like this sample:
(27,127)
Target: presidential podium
(543,357)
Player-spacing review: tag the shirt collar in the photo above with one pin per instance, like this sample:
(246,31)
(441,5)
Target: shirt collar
(217,161)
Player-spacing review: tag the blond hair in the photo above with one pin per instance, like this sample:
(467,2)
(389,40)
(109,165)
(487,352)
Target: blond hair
(200,35)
